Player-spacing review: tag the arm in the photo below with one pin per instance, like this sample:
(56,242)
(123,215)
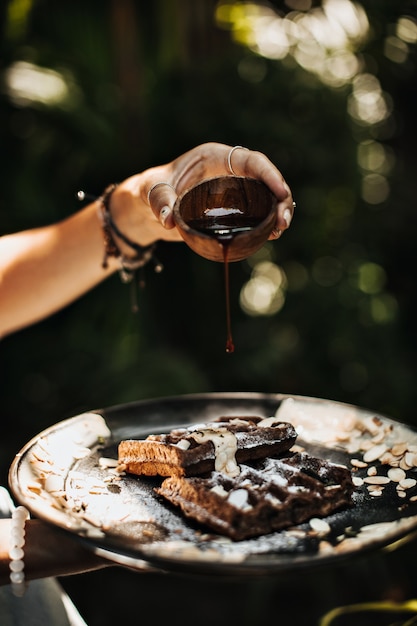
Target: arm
(44,269)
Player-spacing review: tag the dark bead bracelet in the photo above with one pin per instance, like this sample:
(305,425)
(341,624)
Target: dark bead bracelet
(129,265)
(143,254)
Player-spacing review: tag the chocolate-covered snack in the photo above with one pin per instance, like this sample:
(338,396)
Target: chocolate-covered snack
(220,445)
(266,496)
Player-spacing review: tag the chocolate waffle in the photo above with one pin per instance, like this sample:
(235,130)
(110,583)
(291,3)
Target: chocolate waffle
(266,496)
(219,445)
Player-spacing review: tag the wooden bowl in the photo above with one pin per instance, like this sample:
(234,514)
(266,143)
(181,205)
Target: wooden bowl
(227,218)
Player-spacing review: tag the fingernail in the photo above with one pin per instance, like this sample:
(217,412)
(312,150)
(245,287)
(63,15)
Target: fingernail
(287,216)
(163,214)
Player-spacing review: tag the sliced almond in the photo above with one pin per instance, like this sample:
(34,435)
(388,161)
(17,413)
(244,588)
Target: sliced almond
(376,480)
(35,487)
(398,449)
(411,459)
(358,463)
(373,424)
(379,438)
(404,465)
(390,459)
(396,474)
(408,483)
(319,525)
(374,453)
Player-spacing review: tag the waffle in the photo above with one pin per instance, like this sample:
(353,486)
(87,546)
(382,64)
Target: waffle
(220,445)
(266,496)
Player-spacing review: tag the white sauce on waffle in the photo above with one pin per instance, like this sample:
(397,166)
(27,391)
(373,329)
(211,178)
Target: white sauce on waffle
(225,446)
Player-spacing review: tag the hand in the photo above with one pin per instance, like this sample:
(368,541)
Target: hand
(155,220)
(65,259)
(49,552)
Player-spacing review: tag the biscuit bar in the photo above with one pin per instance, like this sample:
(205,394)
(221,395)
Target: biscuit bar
(220,445)
(267,496)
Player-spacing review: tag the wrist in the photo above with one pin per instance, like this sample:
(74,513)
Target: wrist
(17,542)
(132,216)
(115,241)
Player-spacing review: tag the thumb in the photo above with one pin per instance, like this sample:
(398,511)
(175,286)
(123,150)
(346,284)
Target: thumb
(161,198)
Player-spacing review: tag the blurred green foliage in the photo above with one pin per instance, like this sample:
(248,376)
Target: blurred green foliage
(147,81)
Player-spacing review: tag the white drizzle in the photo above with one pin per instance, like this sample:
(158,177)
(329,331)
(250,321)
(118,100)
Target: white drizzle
(225,446)
(184,444)
(267,422)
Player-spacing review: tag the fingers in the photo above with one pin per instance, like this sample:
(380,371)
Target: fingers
(161,198)
(214,159)
(285,213)
(244,162)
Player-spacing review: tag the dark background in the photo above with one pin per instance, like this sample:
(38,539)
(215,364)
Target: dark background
(146,82)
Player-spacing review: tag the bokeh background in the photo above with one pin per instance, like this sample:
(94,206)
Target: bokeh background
(92,91)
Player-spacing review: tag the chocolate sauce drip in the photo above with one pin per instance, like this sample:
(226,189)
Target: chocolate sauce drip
(224,225)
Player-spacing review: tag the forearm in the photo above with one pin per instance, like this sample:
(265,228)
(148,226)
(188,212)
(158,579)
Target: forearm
(45,269)
(48,552)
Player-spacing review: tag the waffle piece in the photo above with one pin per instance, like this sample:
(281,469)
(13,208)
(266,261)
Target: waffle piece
(220,445)
(269,495)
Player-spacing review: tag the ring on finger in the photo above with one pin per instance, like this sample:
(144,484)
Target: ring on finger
(157,185)
(229,158)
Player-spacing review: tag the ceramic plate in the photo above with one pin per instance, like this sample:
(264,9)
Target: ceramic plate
(66,476)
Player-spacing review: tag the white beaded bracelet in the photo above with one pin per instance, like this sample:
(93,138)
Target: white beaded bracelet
(16,552)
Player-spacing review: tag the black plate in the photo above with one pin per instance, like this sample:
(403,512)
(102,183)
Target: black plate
(62,478)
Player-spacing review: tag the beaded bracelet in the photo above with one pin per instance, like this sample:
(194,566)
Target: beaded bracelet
(128,265)
(16,552)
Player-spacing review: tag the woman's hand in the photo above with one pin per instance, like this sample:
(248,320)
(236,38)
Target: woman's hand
(64,260)
(156,189)
(48,552)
